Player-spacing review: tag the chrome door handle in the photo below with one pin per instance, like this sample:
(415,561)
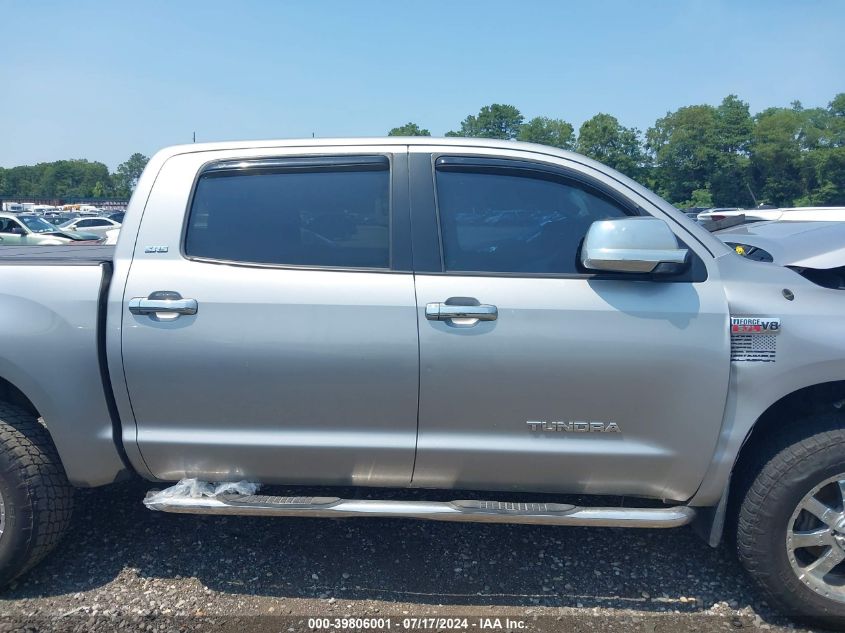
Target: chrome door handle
(164,302)
(446,311)
(139,305)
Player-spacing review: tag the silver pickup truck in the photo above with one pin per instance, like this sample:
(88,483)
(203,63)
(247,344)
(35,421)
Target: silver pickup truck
(446,314)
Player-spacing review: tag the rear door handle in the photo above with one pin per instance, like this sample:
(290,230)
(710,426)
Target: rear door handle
(448,311)
(164,304)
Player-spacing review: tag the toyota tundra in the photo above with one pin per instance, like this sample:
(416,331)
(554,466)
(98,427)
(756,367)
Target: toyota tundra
(446,314)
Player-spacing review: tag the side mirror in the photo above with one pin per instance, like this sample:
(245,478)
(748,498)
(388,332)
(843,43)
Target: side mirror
(17,230)
(632,245)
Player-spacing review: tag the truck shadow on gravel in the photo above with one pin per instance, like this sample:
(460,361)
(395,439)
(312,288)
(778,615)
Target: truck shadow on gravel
(114,539)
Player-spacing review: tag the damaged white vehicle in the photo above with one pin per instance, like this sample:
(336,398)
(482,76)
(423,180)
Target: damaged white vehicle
(790,214)
(815,250)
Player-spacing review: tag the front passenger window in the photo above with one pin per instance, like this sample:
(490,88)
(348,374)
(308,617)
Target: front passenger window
(515,221)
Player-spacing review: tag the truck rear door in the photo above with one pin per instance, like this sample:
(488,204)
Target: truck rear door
(269,327)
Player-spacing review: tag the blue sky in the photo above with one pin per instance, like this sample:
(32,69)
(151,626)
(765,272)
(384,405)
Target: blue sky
(103,79)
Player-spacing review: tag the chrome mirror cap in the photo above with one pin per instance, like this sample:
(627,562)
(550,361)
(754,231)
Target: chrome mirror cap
(632,245)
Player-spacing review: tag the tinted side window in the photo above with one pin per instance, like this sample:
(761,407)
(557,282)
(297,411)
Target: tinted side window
(501,223)
(304,218)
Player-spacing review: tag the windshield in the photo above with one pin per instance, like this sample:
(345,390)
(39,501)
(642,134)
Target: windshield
(37,225)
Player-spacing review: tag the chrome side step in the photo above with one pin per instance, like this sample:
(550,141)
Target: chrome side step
(461,510)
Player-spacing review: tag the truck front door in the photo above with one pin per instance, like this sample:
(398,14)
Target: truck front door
(552,378)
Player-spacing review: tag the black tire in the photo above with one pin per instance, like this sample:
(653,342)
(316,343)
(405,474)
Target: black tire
(37,498)
(787,469)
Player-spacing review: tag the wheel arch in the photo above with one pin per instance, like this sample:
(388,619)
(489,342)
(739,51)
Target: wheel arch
(817,398)
(10,393)
(87,460)
(800,403)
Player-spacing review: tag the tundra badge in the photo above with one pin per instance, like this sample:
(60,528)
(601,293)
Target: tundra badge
(572,426)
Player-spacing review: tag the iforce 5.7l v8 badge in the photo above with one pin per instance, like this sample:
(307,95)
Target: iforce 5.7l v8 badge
(755,325)
(753,339)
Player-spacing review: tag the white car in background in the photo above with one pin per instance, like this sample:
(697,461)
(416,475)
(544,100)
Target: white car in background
(98,226)
(789,214)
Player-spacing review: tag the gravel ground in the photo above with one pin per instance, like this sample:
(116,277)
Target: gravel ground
(125,567)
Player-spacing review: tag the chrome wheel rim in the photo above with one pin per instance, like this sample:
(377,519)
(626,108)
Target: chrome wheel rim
(815,539)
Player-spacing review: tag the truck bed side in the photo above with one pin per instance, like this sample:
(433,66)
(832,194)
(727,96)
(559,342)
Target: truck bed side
(50,347)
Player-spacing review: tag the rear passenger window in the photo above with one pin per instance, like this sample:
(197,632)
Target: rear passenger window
(515,221)
(299,215)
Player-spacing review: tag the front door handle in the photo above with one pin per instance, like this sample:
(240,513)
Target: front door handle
(448,311)
(163,304)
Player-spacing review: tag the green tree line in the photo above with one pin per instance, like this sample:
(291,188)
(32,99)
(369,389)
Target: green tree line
(699,155)
(78,178)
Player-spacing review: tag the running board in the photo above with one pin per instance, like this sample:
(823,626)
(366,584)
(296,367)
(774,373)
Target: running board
(478,511)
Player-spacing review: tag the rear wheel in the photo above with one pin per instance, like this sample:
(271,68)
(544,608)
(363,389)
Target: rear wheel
(791,523)
(35,496)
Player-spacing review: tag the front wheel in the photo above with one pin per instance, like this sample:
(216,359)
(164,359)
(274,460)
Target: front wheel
(791,524)
(35,496)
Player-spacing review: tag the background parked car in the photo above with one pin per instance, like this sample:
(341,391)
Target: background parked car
(97,226)
(17,230)
(59,218)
